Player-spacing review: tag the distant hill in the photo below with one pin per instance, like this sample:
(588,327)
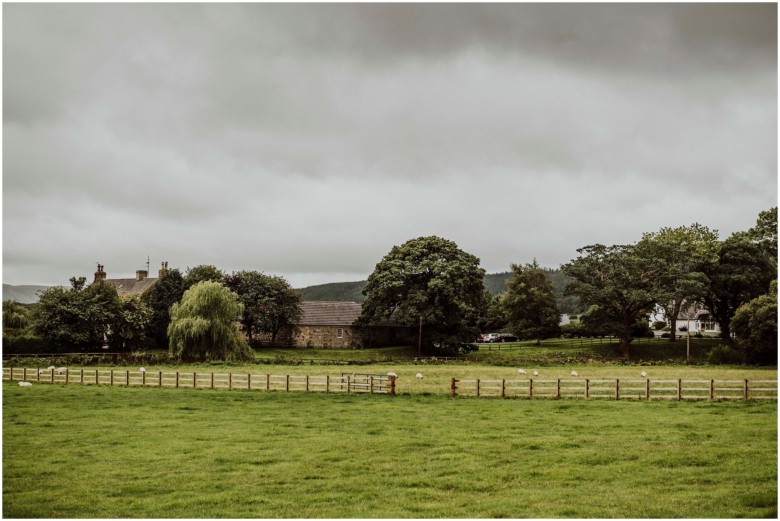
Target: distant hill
(494,282)
(22,294)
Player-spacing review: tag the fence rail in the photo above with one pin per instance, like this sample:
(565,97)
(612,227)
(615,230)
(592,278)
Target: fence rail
(618,389)
(346,383)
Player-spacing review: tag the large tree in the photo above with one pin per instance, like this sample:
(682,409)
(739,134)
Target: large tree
(755,326)
(743,271)
(88,318)
(530,303)
(204,325)
(203,272)
(271,305)
(428,280)
(168,290)
(682,255)
(619,285)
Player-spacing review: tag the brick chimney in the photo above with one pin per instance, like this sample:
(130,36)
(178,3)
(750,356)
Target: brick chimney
(163,269)
(100,274)
(141,274)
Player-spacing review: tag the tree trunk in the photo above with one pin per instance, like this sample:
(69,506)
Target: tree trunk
(624,343)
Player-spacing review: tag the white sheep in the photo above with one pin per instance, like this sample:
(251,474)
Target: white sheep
(521,371)
(143,370)
(536,373)
(392,374)
(574,373)
(62,370)
(418,376)
(643,374)
(25,384)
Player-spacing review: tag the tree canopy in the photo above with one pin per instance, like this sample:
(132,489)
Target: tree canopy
(530,303)
(203,325)
(618,283)
(201,273)
(755,325)
(271,305)
(168,290)
(428,279)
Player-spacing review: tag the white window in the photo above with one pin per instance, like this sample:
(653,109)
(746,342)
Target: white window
(340,333)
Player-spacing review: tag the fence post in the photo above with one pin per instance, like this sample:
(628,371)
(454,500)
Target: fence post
(477,387)
(24,373)
(177,379)
(347,384)
(267,382)
(558,389)
(212,379)
(746,388)
(66,375)
(249,381)
(712,389)
(679,389)
(81,377)
(143,379)
(52,374)
(453,387)
(97,376)
(587,388)
(194,380)
(617,388)
(327,384)
(159,378)
(530,387)
(392,386)
(370,385)
(287,383)
(110,380)
(647,389)
(127,378)
(230,380)
(503,387)
(11,376)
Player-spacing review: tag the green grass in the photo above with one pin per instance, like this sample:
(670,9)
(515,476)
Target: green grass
(73,451)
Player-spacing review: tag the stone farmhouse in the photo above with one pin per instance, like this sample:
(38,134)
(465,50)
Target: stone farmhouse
(323,324)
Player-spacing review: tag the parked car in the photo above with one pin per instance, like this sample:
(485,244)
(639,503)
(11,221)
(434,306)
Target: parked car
(508,337)
(492,337)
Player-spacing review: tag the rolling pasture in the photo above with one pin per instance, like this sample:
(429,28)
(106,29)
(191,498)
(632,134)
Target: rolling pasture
(98,451)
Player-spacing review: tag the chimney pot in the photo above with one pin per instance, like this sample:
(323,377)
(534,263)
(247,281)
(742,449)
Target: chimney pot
(141,274)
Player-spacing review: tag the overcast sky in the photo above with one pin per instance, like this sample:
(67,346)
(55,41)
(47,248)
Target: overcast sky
(306,140)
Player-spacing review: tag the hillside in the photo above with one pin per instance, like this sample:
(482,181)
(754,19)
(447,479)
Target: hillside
(494,282)
(22,294)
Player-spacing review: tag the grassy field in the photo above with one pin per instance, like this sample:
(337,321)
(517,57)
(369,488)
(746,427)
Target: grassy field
(85,451)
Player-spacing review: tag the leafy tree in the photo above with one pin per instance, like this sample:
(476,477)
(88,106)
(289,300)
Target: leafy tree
(741,273)
(755,325)
(15,316)
(764,233)
(203,325)
(201,273)
(682,254)
(619,285)
(131,323)
(530,303)
(428,279)
(168,290)
(271,305)
(493,316)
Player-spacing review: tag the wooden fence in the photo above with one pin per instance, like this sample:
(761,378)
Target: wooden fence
(346,383)
(618,389)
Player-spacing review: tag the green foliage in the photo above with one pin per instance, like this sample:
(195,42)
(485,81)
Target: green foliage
(741,273)
(618,282)
(755,325)
(530,303)
(168,290)
(203,325)
(87,318)
(427,277)
(764,233)
(271,305)
(16,317)
(682,254)
(658,325)
(202,273)
(725,355)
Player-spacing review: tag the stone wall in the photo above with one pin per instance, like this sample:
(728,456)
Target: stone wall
(327,337)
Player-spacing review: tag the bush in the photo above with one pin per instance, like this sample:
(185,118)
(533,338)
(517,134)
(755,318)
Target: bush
(658,325)
(666,335)
(30,344)
(725,355)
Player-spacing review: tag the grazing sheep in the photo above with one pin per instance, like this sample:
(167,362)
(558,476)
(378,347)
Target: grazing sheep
(62,370)
(25,384)
(536,373)
(142,370)
(50,368)
(392,374)
(521,371)
(643,374)
(418,376)
(574,373)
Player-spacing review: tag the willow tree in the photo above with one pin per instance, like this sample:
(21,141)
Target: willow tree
(204,325)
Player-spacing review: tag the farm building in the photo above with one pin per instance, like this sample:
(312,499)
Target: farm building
(330,325)
(132,287)
(699,320)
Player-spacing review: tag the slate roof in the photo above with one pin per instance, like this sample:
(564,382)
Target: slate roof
(131,286)
(329,313)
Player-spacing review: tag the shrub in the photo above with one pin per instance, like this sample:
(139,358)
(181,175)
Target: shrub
(725,355)
(658,325)
(666,335)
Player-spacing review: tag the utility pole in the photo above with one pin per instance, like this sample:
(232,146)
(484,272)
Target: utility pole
(419,340)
